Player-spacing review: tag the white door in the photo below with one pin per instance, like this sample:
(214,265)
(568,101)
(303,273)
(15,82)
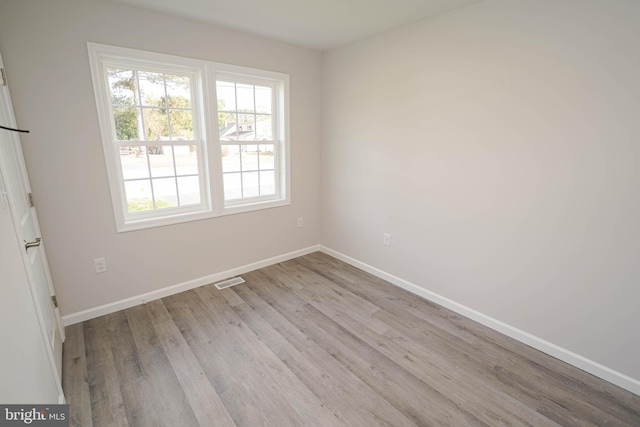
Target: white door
(26,371)
(16,198)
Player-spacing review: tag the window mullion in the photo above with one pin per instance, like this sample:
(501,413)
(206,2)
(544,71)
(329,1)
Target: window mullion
(153,197)
(255,133)
(140,117)
(241,170)
(175,174)
(170,131)
(166,105)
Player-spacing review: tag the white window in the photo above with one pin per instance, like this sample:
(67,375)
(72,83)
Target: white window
(186,139)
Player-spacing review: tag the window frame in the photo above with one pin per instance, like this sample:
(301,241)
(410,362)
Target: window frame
(277,133)
(204,75)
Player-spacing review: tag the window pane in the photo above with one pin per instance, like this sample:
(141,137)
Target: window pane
(181,125)
(245,98)
(250,186)
(161,160)
(227,126)
(134,162)
(186,159)
(232,186)
(226,93)
(138,195)
(156,125)
(152,89)
(263,99)
(165,192)
(267,183)
(189,189)
(121,86)
(266,157)
(230,158)
(264,127)
(126,123)
(246,127)
(178,91)
(249,157)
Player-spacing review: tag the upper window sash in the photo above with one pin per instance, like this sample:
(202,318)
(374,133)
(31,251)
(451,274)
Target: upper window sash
(263,118)
(138,103)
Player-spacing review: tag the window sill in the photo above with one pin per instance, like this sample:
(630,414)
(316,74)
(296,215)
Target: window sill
(142,224)
(178,218)
(249,207)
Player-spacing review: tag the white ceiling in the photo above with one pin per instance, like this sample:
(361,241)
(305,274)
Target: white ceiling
(316,24)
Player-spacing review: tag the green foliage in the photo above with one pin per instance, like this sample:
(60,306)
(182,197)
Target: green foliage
(139,205)
(126,124)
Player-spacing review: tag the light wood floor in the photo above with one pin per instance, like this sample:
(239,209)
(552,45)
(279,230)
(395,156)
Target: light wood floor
(316,342)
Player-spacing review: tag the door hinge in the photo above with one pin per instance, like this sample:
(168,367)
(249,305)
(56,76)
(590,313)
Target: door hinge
(30,197)
(3,77)
(54,300)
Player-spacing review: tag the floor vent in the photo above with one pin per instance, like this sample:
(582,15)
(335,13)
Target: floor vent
(229,282)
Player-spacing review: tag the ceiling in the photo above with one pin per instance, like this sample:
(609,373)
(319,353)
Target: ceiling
(315,24)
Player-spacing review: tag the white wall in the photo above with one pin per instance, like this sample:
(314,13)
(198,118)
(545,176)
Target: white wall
(44,45)
(498,144)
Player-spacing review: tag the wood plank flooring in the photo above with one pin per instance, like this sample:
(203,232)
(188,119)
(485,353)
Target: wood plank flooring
(316,342)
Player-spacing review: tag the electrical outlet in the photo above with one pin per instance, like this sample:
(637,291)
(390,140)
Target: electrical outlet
(300,222)
(386,239)
(100,264)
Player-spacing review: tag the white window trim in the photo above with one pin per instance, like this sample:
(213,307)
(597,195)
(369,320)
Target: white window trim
(205,100)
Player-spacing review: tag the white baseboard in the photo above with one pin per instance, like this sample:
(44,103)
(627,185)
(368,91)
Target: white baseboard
(92,313)
(587,365)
